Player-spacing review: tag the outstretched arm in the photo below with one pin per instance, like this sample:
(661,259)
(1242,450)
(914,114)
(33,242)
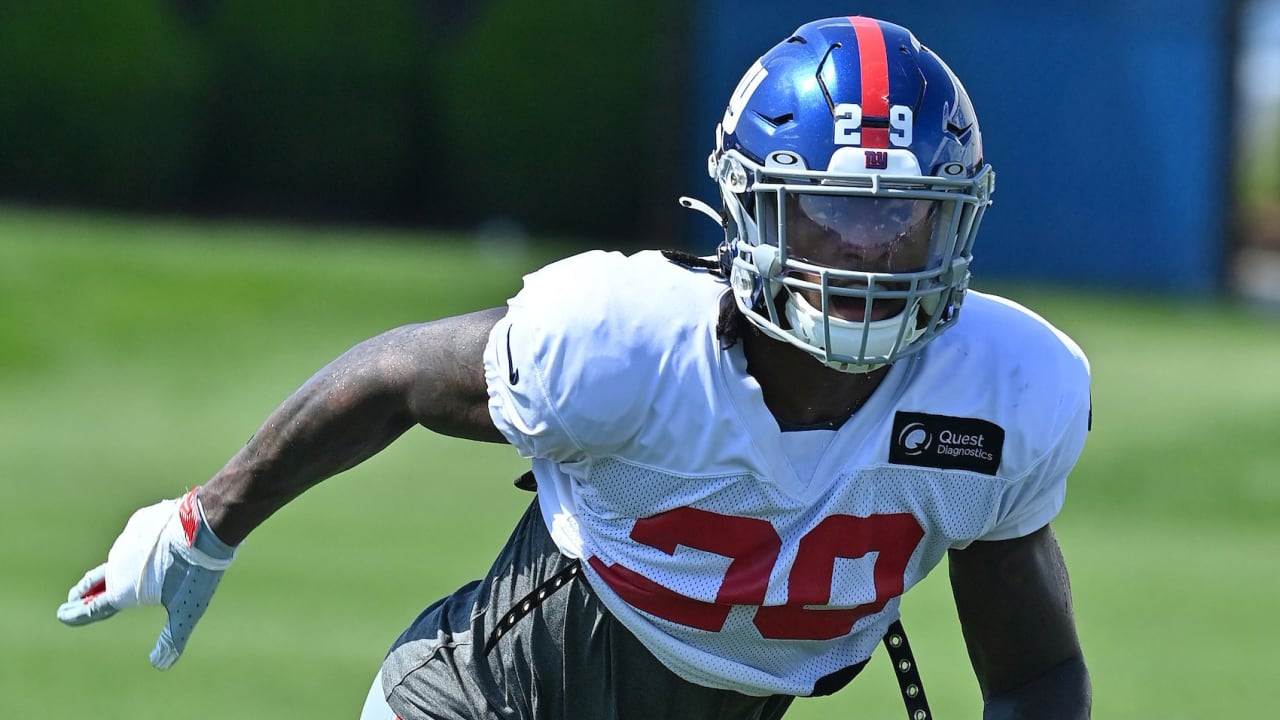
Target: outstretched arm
(1014,602)
(173,553)
(430,374)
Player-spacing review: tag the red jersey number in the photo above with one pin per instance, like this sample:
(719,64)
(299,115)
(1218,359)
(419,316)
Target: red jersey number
(753,546)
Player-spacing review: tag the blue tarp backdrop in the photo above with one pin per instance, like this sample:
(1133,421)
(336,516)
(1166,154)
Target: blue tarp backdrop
(1108,123)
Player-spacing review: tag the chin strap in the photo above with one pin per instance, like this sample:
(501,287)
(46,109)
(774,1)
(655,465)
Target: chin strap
(904,666)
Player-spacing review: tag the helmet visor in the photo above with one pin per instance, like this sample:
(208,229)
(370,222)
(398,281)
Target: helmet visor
(857,233)
(858,257)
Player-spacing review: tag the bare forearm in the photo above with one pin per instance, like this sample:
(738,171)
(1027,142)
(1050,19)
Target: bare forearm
(431,374)
(1063,693)
(343,415)
(1014,602)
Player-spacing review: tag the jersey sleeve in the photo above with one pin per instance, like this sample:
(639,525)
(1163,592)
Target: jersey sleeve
(519,402)
(562,366)
(1031,501)
(1051,440)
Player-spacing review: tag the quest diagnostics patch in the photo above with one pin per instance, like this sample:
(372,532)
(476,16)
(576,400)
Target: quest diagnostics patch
(945,442)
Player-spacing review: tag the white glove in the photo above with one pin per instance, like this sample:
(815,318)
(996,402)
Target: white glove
(167,555)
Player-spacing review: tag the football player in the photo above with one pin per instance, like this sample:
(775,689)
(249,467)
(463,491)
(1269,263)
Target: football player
(741,462)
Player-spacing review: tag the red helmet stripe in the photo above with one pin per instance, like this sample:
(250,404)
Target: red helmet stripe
(875,80)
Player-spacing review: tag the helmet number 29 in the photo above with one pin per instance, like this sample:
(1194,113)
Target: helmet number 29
(848,124)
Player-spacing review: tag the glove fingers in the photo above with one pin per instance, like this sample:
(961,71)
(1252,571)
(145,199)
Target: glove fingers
(86,602)
(173,639)
(165,653)
(186,606)
(96,576)
(82,612)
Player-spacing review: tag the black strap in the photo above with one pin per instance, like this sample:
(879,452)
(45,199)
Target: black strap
(693,262)
(904,665)
(526,482)
(530,602)
(895,640)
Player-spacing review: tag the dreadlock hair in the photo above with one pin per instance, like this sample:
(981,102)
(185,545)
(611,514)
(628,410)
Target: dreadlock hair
(731,324)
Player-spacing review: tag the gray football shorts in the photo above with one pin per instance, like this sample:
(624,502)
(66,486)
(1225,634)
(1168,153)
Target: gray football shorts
(532,641)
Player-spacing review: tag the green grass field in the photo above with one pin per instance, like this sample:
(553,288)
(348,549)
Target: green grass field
(135,357)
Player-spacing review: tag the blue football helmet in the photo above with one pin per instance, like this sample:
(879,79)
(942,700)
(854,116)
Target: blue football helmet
(850,167)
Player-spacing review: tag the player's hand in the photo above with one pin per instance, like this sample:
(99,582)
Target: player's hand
(167,555)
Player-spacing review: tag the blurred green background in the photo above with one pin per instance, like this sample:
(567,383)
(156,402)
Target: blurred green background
(203,201)
(588,118)
(391,111)
(136,356)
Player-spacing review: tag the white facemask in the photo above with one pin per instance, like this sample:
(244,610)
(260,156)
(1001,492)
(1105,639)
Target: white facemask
(847,335)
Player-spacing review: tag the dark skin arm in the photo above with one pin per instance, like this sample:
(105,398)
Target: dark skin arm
(1014,602)
(430,374)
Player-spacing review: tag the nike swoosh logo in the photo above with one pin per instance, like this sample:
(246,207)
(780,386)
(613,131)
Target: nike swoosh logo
(513,375)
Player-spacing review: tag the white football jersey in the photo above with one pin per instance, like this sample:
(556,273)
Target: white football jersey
(746,557)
